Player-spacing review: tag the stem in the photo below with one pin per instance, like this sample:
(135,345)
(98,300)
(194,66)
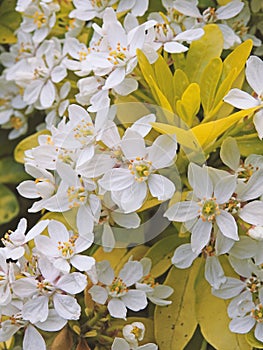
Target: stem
(204,345)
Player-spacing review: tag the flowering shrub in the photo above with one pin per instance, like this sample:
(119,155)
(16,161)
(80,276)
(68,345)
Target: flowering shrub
(131,175)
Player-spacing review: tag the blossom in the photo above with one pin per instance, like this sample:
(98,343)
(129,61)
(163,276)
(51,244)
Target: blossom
(117,289)
(88,9)
(15,241)
(244,100)
(206,208)
(129,185)
(62,248)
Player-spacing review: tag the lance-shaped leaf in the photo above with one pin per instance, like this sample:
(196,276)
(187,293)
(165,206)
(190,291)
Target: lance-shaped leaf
(175,324)
(9,207)
(188,107)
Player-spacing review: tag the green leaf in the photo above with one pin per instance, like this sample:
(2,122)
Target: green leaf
(10,19)
(249,144)
(202,51)
(7,6)
(209,82)
(26,144)
(211,313)
(175,324)
(162,252)
(11,172)
(252,340)
(189,105)
(9,207)
(6,35)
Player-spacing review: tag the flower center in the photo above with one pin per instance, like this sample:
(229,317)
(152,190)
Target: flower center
(67,248)
(140,168)
(76,196)
(118,55)
(163,32)
(138,332)
(39,19)
(82,55)
(83,130)
(149,280)
(45,287)
(209,15)
(257,313)
(209,209)
(118,288)
(232,206)
(16,122)
(253,284)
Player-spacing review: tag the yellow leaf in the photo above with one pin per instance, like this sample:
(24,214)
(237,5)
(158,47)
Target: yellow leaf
(27,143)
(113,257)
(6,35)
(180,83)
(209,81)
(129,109)
(175,324)
(150,203)
(162,252)
(211,313)
(237,58)
(201,51)
(161,98)
(223,2)
(249,144)
(164,78)
(207,133)
(189,105)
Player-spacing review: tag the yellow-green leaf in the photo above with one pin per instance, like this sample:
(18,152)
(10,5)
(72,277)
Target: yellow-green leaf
(9,207)
(113,257)
(162,252)
(211,313)
(251,339)
(209,82)
(161,98)
(10,19)
(249,144)
(201,51)
(27,143)
(175,324)
(189,105)
(6,35)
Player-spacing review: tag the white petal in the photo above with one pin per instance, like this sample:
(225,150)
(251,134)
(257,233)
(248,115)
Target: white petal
(214,272)
(163,151)
(184,256)
(117,308)
(200,235)
(143,125)
(120,344)
(253,188)
(133,198)
(72,283)
(33,339)
(82,262)
(229,10)
(116,179)
(32,92)
(230,289)
(227,225)
(108,239)
(242,325)
(240,99)
(98,294)
(162,291)
(62,265)
(131,220)
(115,78)
(259,331)
(131,272)
(200,181)
(36,310)
(133,144)
(58,74)
(258,122)
(36,230)
(225,188)
(252,213)
(190,35)
(126,87)
(28,189)
(67,307)
(254,74)
(160,187)
(46,246)
(135,300)
(53,323)
(47,95)
(174,47)
(182,211)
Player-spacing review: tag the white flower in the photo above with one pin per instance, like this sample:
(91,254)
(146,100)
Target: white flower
(117,290)
(39,19)
(207,208)
(50,285)
(122,344)
(243,100)
(155,292)
(137,7)
(15,241)
(129,186)
(63,248)
(133,332)
(88,9)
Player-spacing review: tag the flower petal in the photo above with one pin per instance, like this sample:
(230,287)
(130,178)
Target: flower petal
(240,99)
(227,225)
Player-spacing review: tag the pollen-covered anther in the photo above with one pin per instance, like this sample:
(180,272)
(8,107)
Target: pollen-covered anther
(118,287)
(257,313)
